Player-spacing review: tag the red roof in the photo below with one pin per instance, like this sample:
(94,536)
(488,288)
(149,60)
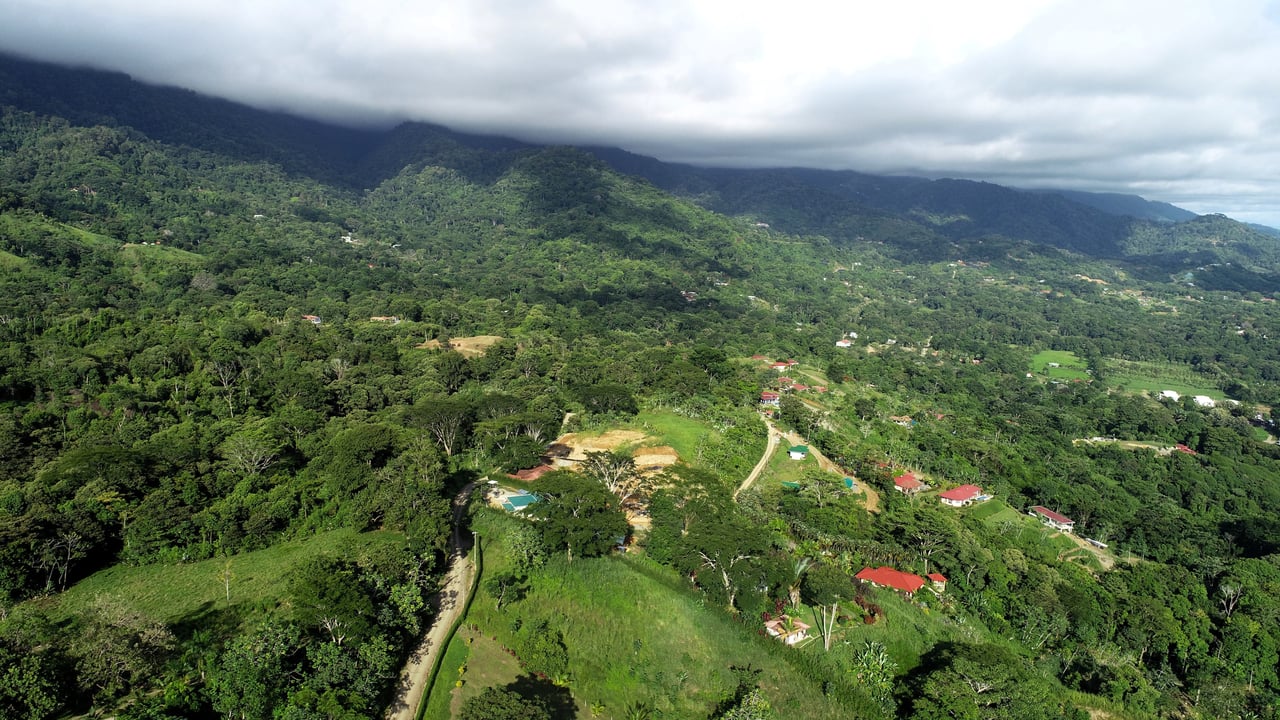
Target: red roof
(1183,448)
(799,387)
(785,380)
(937,577)
(907,481)
(532,473)
(964,493)
(768,395)
(888,577)
(1046,512)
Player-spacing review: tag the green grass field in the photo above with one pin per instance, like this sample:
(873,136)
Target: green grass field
(1027,531)
(1059,365)
(637,632)
(679,432)
(1153,377)
(11,262)
(171,593)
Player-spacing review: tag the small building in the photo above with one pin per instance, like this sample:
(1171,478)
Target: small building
(1182,448)
(1204,401)
(961,496)
(885,576)
(787,629)
(392,319)
(907,484)
(1170,395)
(1053,519)
(780,366)
(844,343)
(939,582)
(313,319)
(771,398)
(799,452)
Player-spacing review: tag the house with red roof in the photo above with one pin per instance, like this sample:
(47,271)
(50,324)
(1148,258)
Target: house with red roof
(530,474)
(1053,519)
(939,581)
(769,397)
(780,365)
(885,576)
(961,496)
(1182,448)
(844,343)
(907,484)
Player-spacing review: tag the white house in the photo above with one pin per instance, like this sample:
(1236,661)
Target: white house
(1170,395)
(787,630)
(1204,401)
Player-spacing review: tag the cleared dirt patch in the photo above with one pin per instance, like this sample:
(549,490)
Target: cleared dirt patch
(467,346)
(580,445)
(654,459)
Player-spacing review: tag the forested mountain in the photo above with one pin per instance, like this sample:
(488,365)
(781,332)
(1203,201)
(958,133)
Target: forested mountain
(1128,205)
(247,359)
(1150,237)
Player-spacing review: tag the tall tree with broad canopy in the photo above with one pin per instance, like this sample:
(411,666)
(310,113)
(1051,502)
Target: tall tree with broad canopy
(578,515)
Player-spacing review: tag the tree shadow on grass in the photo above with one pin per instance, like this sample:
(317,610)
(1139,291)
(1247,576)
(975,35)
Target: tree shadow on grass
(218,621)
(558,700)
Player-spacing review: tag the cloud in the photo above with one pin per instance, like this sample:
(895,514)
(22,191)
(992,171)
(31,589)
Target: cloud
(1177,101)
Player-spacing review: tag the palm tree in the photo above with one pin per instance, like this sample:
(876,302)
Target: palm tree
(797,574)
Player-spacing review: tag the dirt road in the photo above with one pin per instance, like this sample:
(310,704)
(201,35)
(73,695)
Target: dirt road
(775,437)
(872,497)
(770,446)
(446,605)
(1105,558)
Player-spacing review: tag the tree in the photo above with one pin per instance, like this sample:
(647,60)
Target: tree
(752,707)
(722,551)
(251,450)
(119,648)
(617,472)
(448,420)
(498,704)
(247,682)
(577,515)
(961,680)
(506,587)
(875,671)
(27,688)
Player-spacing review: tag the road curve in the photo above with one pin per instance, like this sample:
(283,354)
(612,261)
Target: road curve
(446,605)
(772,444)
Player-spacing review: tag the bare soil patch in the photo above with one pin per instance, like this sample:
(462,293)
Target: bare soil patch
(467,346)
(654,459)
(612,440)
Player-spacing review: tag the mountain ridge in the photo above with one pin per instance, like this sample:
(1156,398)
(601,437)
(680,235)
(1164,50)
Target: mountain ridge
(913,213)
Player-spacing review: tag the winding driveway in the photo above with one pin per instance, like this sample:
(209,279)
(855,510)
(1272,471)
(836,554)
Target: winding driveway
(775,437)
(446,605)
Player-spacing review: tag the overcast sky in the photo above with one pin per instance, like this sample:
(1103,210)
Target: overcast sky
(1176,100)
